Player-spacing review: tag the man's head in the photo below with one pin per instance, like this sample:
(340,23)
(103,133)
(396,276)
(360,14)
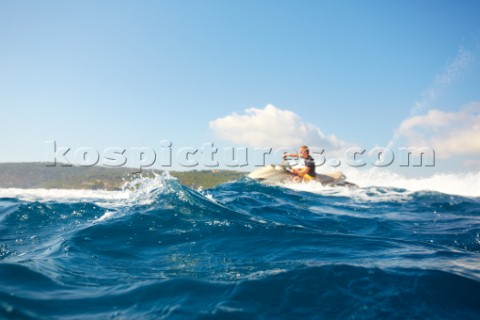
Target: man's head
(303,152)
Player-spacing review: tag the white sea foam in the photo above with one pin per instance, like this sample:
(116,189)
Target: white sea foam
(105,216)
(463,184)
(140,191)
(64,195)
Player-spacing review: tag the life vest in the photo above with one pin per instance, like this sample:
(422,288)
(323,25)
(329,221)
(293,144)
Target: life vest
(310,163)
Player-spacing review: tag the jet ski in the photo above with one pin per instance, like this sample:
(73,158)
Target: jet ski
(281,173)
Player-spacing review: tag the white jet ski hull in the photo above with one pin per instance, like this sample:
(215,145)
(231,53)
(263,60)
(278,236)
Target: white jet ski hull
(279,174)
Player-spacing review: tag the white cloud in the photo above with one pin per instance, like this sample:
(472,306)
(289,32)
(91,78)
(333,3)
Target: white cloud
(272,127)
(448,133)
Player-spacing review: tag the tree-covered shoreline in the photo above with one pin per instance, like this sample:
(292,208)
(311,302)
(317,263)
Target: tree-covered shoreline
(30,175)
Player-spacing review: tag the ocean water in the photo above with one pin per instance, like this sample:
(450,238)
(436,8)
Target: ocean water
(241,250)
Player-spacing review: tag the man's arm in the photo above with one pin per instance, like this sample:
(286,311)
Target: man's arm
(292,155)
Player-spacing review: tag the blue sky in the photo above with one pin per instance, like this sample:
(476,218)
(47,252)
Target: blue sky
(133,73)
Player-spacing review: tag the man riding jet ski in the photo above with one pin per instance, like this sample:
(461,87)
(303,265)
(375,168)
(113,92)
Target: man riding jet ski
(285,173)
(308,172)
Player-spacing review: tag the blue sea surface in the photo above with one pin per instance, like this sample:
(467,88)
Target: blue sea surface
(241,250)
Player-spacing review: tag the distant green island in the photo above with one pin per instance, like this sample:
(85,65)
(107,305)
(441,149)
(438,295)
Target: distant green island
(38,175)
